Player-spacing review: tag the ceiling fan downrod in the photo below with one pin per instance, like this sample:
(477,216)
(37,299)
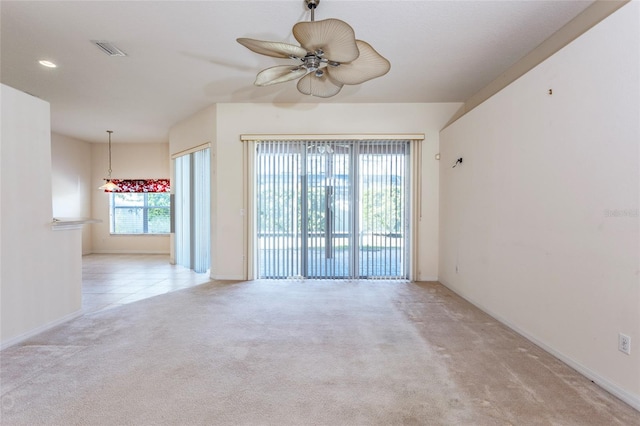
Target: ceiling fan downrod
(313,60)
(312,4)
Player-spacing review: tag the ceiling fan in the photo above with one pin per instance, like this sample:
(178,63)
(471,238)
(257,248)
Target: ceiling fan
(329,57)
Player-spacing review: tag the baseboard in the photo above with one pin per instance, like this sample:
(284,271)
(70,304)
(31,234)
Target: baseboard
(426,279)
(24,336)
(228,278)
(627,397)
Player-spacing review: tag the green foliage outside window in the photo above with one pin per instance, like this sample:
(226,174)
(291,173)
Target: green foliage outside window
(382,210)
(140,213)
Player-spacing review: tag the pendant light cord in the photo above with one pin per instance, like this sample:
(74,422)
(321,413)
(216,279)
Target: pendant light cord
(109,171)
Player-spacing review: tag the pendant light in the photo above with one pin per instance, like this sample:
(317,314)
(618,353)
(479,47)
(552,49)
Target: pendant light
(109,185)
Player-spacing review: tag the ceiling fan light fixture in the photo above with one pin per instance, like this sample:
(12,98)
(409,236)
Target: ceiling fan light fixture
(325,47)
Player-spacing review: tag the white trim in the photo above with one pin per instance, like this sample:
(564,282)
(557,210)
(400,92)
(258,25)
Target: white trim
(248,248)
(228,278)
(24,336)
(627,397)
(191,150)
(415,205)
(427,279)
(342,136)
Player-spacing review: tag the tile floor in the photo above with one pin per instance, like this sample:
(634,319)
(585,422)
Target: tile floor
(111,280)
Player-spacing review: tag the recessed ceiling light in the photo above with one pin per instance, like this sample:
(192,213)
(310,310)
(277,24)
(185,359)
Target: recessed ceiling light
(47,64)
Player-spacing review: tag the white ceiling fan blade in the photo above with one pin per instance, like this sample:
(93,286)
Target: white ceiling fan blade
(278,74)
(334,37)
(322,87)
(273,48)
(370,64)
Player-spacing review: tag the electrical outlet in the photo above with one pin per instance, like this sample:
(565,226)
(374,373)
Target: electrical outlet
(624,343)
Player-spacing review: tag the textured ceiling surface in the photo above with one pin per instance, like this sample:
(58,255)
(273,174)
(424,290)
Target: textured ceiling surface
(183,56)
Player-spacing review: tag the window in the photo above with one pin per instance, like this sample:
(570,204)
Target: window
(140,213)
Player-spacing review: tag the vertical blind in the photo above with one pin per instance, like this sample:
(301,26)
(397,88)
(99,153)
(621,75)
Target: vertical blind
(384,215)
(201,211)
(192,210)
(278,172)
(332,209)
(182,210)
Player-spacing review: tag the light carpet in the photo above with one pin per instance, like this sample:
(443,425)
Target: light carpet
(296,353)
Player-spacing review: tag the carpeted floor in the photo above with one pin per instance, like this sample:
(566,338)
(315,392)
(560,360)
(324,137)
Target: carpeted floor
(296,353)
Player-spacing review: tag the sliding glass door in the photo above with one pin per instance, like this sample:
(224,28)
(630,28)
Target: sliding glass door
(192,210)
(332,209)
(383,214)
(327,219)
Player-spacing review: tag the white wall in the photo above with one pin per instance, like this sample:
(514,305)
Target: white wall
(539,226)
(40,271)
(71,182)
(128,161)
(194,131)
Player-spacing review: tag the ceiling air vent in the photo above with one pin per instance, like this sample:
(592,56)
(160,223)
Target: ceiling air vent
(108,48)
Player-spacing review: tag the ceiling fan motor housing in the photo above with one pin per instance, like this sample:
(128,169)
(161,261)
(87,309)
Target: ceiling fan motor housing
(312,62)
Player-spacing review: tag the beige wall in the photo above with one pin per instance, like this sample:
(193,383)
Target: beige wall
(40,269)
(223,124)
(539,226)
(129,161)
(194,131)
(71,182)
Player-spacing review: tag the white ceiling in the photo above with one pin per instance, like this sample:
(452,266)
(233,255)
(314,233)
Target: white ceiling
(182,55)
